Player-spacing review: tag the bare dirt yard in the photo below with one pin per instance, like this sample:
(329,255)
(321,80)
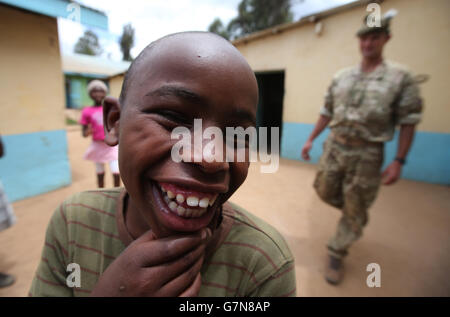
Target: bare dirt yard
(408,233)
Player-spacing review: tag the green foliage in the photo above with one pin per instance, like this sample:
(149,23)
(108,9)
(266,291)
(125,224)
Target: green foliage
(70,121)
(126,41)
(218,28)
(253,16)
(88,44)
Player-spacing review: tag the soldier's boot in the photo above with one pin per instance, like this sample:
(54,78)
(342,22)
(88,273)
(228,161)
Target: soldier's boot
(334,271)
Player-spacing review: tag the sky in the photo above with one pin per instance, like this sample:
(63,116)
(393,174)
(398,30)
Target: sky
(153,19)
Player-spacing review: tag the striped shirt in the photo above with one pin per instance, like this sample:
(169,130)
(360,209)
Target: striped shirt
(251,259)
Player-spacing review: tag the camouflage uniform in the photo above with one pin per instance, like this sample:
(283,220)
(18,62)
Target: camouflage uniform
(364,110)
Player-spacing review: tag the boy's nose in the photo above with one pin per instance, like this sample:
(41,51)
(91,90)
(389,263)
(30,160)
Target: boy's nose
(213,167)
(210,159)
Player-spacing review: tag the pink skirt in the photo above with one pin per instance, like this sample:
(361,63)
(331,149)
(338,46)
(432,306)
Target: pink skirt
(100,152)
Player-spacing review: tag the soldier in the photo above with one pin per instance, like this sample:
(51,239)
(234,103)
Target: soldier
(362,106)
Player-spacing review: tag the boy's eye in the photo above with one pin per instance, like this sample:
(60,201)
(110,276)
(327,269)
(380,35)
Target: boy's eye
(237,142)
(174,117)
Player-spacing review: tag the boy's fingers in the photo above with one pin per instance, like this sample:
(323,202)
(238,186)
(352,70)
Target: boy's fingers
(148,236)
(182,282)
(170,271)
(194,289)
(170,248)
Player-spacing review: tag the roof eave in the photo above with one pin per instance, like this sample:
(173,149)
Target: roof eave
(312,18)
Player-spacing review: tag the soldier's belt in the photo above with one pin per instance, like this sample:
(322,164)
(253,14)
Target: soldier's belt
(352,141)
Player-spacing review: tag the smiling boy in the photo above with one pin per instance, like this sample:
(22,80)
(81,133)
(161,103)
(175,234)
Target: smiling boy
(170,232)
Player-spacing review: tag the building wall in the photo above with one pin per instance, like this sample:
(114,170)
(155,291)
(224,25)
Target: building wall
(32,105)
(420,41)
(115,85)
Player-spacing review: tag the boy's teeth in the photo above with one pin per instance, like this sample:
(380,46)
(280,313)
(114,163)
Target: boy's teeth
(188,212)
(212,201)
(192,201)
(173,206)
(170,194)
(180,198)
(203,202)
(173,200)
(181,211)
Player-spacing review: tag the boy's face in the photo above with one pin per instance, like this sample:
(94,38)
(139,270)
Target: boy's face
(180,81)
(97,95)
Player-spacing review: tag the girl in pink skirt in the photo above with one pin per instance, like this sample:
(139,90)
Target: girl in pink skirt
(92,120)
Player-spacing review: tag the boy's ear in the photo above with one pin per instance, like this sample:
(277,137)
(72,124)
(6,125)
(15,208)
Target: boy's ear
(111,118)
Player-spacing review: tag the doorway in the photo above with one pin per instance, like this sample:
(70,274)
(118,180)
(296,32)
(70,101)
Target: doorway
(270,105)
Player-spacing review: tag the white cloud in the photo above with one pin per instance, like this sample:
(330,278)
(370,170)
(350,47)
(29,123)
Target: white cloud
(153,19)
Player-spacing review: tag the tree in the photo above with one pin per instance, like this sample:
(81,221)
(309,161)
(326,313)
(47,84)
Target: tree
(257,15)
(126,41)
(217,27)
(88,44)
(254,15)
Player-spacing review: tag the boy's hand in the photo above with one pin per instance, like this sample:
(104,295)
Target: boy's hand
(166,267)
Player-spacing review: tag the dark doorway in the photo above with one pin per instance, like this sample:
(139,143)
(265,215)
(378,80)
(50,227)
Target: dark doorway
(270,105)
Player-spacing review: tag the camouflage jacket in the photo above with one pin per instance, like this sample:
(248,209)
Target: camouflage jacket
(370,105)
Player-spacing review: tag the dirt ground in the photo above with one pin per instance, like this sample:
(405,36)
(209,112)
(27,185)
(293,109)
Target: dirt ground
(408,233)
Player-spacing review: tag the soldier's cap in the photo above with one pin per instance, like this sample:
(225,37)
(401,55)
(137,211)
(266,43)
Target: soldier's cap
(384,25)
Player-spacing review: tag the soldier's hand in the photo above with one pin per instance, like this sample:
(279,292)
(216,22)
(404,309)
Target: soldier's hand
(165,267)
(392,173)
(305,150)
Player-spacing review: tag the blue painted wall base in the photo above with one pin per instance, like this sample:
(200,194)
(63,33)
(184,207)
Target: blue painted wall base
(34,163)
(428,159)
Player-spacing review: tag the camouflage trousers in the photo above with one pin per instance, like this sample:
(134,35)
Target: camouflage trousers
(348,178)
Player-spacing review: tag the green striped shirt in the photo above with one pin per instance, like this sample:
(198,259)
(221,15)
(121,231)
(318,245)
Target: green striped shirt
(87,229)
